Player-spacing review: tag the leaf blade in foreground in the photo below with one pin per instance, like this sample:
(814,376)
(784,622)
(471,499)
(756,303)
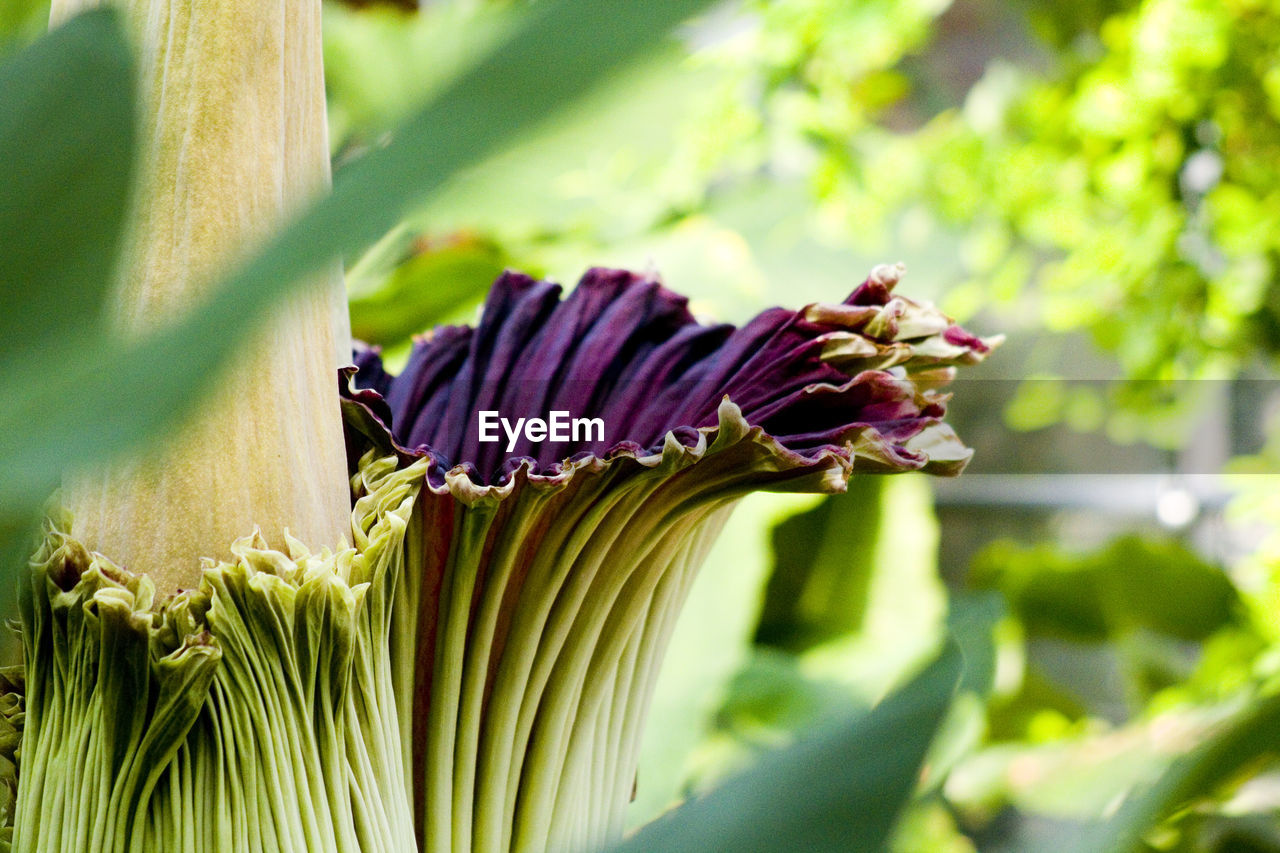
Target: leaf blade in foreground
(841,791)
(97,396)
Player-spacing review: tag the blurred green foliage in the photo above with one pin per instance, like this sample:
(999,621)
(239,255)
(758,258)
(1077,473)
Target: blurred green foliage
(865,773)
(21,21)
(406,284)
(1132,585)
(1098,178)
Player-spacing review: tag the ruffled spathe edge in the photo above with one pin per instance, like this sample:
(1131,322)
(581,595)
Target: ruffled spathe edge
(895,352)
(934,448)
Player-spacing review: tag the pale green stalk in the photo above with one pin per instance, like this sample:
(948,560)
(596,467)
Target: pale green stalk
(235,140)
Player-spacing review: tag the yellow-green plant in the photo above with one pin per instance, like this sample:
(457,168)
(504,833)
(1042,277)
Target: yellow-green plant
(464,661)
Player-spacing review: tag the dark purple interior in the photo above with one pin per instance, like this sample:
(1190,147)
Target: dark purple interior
(625,349)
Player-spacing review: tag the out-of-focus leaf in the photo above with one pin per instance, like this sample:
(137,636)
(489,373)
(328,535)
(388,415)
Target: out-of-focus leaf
(771,698)
(21,20)
(972,620)
(561,50)
(929,827)
(835,657)
(824,560)
(93,399)
(404,5)
(1140,776)
(840,791)
(1214,831)
(606,170)
(1040,705)
(379,64)
(1132,583)
(66,141)
(1246,740)
(904,612)
(835,564)
(1073,778)
(1104,631)
(436,280)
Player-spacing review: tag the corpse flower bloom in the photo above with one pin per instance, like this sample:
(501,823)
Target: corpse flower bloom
(542,583)
(472,672)
(461,654)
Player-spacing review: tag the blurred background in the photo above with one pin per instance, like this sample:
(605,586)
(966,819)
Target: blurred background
(1095,179)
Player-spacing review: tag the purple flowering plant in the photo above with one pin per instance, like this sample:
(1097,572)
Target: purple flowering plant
(554,572)
(457,651)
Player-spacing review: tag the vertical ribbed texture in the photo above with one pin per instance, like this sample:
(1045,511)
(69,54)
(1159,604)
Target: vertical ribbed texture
(532,624)
(255,713)
(234,140)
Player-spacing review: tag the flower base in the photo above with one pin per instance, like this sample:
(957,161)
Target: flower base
(251,713)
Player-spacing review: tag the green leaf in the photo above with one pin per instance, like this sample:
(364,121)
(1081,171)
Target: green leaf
(21,21)
(840,791)
(435,281)
(1099,595)
(859,568)
(1246,740)
(66,139)
(772,696)
(971,621)
(66,142)
(97,397)
(561,52)
(824,561)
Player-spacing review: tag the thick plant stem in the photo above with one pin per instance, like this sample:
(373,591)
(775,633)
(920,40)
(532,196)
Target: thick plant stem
(233,117)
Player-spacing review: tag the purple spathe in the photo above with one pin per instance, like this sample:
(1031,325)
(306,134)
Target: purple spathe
(541,583)
(852,384)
